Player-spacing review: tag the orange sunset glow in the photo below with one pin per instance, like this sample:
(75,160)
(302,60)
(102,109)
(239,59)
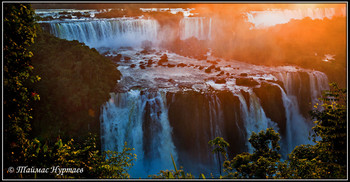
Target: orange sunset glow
(154,90)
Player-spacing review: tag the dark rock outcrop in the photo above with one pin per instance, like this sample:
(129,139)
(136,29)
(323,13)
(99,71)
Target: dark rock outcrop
(190,115)
(250,82)
(270,97)
(220,81)
(163,59)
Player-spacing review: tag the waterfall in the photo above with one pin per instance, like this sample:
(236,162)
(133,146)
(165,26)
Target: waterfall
(279,16)
(141,120)
(198,27)
(215,115)
(107,33)
(318,83)
(146,121)
(298,127)
(216,125)
(254,116)
(126,32)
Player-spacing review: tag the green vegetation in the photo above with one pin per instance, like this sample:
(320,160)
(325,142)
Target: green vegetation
(324,160)
(68,76)
(19,33)
(83,156)
(262,163)
(220,148)
(171,174)
(76,81)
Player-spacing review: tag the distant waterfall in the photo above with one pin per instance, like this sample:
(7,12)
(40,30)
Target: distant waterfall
(198,27)
(142,121)
(127,32)
(258,18)
(107,33)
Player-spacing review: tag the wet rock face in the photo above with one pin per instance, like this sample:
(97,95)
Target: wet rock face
(163,59)
(271,101)
(250,82)
(189,117)
(150,128)
(303,93)
(233,130)
(195,118)
(127,58)
(220,81)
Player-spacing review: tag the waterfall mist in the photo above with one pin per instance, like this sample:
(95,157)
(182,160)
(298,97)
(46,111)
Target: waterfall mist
(221,72)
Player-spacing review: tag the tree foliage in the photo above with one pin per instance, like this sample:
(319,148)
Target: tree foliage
(76,81)
(324,160)
(72,154)
(328,157)
(19,31)
(174,174)
(21,147)
(220,148)
(262,163)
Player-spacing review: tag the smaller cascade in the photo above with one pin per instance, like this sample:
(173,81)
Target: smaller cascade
(254,116)
(297,126)
(318,83)
(216,125)
(198,27)
(141,120)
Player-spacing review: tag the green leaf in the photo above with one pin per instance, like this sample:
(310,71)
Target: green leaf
(171,175)
(173,162)
(45,148)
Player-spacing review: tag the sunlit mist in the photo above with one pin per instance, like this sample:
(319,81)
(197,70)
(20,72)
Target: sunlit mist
(167,78)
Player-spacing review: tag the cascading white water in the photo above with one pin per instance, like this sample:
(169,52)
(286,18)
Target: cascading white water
(318,83)
(108,33)
(198,27)
(123,119)
(216,119)
(254,116)
(215,115)
(297,126)
(142,121)
(278,16)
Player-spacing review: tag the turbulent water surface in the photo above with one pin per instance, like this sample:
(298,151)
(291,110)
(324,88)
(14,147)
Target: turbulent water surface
(174,107)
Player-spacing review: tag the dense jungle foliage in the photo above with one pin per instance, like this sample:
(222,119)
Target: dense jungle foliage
(75,82)
(69,84)
(47,79)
